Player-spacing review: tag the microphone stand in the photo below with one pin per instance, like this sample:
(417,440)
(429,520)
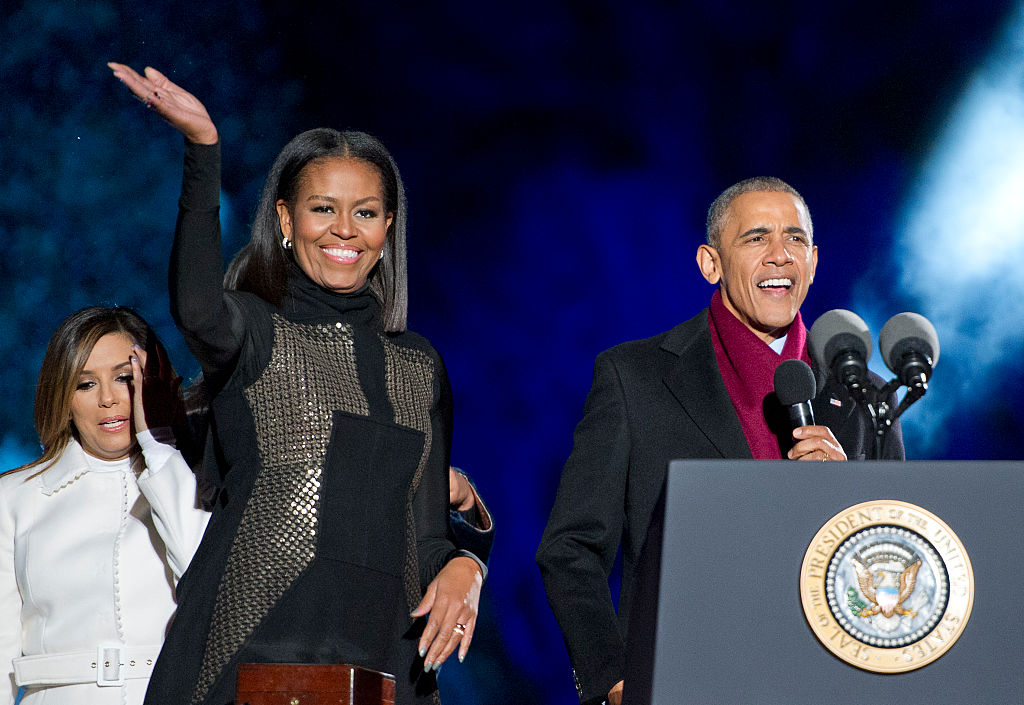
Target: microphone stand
(876,401)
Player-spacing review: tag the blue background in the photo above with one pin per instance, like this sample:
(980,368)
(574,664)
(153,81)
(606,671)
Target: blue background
(559,159)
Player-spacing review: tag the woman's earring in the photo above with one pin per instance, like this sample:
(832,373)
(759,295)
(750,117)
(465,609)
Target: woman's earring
(380,256)
(287,244)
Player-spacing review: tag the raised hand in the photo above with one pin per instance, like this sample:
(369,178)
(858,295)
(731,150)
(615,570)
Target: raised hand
(179,108)
(156,401)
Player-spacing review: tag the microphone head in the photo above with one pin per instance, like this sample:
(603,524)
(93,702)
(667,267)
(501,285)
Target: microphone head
(907,332)
(794,382)
(835,331)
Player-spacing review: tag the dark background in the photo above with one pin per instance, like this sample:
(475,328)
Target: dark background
(559,158)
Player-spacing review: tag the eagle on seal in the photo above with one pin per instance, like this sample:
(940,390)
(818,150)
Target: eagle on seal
(885,591)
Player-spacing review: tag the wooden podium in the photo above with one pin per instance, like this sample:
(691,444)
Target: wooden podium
(312,684)
(717,614)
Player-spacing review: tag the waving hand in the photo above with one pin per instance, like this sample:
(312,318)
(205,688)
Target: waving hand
(179,108)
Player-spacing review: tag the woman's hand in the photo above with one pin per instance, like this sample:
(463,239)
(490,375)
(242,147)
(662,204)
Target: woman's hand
(452,600)
(178,107)
(156,402)
(460,493)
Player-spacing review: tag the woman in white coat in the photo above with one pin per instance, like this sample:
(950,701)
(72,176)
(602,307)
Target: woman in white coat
(95,533)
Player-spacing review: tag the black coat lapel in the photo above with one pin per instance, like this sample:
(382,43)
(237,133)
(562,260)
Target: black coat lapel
(697,384)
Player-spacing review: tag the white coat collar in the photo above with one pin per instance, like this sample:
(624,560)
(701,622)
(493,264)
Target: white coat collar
(71,465)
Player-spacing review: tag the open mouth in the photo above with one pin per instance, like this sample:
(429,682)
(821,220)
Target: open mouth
(114,425)
(777,283)
(341,254)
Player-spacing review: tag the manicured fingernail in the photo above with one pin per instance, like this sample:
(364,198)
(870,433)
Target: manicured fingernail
(437,667)
(462,657)
(135,359)
(423,651)
(427,665)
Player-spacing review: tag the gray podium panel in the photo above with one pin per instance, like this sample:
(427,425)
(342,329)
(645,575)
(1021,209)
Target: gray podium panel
(717,616)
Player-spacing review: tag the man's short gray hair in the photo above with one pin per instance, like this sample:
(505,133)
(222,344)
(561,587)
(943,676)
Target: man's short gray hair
(718,209)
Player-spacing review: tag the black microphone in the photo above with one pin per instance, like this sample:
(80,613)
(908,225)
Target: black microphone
(910,348)
(839,341)
(795,387)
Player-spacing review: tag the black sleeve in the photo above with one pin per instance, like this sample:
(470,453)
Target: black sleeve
(583,534)
(430,504)
(208,321)
(465,530)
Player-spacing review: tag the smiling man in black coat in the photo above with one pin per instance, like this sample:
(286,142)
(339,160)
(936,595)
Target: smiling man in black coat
(696,391)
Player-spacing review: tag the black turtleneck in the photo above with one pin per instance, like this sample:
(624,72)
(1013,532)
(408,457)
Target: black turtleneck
(307,301)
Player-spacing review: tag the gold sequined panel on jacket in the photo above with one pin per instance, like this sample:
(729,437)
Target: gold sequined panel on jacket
(410,383)
(312,372)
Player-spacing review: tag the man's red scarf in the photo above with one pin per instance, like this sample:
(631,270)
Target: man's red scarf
(748,367)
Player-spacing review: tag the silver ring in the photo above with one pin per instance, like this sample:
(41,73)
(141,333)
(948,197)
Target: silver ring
(459,629)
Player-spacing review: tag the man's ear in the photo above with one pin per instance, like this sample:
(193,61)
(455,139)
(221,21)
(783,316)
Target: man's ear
(814,262)
(709,263)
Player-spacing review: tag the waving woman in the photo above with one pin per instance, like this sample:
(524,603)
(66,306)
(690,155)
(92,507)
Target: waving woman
(332,423)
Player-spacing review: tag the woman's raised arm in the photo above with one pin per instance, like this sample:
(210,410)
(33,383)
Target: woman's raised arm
(167,482)
(211,326)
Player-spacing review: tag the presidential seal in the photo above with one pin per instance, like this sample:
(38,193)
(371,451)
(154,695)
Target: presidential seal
(886,586)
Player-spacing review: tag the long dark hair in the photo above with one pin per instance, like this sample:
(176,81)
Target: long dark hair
(261,267)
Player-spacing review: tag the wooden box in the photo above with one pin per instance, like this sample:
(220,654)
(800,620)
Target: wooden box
(312,684)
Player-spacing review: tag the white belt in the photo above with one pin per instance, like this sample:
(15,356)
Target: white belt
(104,666)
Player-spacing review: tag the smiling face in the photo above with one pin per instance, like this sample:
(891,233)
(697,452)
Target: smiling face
(101,404)
(337,224)
(765,261)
